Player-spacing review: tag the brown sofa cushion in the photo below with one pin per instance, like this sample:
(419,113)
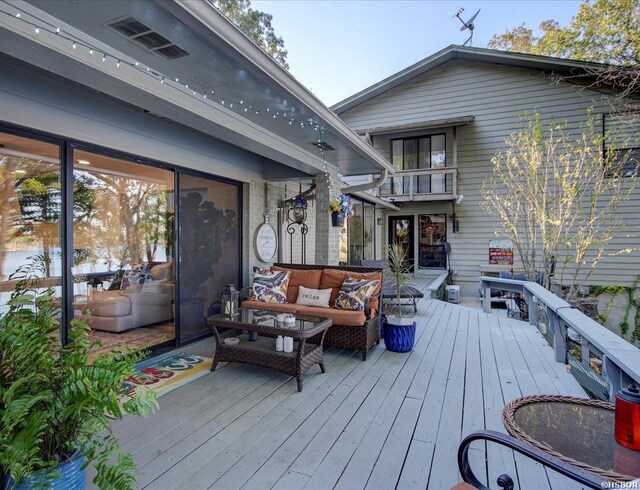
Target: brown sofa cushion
(345,318)
(307,278)
(333,278)
(261,305)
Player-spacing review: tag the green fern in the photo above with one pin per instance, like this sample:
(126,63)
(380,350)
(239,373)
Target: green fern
(52,401)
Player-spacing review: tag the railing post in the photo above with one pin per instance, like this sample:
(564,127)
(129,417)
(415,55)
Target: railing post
(486,297)
(559,342)
(616,376)
(455,183)
(585,354)
(533,313)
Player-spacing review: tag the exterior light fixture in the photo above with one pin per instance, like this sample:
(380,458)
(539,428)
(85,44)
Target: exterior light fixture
(296,209)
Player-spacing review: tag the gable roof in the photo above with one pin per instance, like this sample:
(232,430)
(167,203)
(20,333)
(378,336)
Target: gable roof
(455,52)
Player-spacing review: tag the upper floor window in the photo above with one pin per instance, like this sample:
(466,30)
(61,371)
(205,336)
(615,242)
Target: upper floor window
(622,138)
(426,152)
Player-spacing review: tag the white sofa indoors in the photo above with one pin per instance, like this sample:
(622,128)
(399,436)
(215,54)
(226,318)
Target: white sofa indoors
(138,305)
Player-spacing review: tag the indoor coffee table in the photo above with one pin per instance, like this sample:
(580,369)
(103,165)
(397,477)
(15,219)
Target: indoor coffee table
(578,431)
(262,351)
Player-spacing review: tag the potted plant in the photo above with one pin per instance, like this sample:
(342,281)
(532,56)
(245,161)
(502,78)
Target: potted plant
(54,404)
(339,209)
(399,333)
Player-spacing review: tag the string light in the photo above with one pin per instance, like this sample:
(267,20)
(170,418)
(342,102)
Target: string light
(37,29)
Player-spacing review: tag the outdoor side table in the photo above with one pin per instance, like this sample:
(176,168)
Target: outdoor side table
(261,352)
(406,292)
(578,431)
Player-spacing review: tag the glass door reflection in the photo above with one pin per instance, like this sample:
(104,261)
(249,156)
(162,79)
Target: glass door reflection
(209,249)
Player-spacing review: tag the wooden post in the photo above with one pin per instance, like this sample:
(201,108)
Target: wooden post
(559,342)
(486,297)
(533,314)
(617,377)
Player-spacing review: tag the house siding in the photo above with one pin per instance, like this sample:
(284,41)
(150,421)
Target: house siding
(496,95)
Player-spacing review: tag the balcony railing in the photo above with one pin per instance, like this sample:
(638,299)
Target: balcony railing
(426,184)
(620,359)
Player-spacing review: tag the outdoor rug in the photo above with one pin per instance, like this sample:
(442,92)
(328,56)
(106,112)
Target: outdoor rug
(165,373)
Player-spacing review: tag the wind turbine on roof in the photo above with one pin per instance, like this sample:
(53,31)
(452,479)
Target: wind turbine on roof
(467,25)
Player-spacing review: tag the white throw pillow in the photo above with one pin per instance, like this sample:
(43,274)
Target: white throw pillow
(313,297)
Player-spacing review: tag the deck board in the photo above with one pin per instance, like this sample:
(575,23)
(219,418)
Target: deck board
(393,421)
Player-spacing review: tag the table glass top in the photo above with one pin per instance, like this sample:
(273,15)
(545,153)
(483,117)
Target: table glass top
(579,432)
(265,318)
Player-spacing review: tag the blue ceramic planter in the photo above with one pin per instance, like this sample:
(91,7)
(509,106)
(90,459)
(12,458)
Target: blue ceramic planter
(398,338)
(70,477)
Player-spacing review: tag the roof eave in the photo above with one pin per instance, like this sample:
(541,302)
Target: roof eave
(274,73)
(460,52)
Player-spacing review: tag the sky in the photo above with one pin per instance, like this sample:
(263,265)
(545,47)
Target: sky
(338,47)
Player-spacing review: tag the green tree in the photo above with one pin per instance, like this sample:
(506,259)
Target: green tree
(603,31)
(255,24)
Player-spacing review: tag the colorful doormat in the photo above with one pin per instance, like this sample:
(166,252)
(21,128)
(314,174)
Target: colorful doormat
(165,373)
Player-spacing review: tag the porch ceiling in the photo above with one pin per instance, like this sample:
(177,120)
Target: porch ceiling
(221,60)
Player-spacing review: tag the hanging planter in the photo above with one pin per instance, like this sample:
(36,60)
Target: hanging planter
(339,209)
(337,219)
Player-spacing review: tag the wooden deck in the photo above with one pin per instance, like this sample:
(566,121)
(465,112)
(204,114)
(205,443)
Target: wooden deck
(393,421)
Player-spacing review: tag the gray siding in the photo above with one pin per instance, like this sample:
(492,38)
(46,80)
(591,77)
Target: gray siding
(495,95)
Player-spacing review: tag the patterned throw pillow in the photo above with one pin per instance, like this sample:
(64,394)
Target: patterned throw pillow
(270,286)
(354,292)
(139,274)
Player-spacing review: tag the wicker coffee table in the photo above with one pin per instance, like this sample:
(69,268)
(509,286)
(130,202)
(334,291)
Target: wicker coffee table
(262,352)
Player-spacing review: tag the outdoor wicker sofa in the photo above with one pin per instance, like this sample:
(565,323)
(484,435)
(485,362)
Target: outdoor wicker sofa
(351,329)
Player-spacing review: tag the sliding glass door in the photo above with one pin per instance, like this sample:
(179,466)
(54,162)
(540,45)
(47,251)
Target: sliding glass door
(30,211)
(141,251)
(209,248)
(123,272)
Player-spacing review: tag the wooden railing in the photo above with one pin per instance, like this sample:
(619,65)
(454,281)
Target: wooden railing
(404,185)
(620,359)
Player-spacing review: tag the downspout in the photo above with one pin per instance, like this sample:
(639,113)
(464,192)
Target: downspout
(369,185)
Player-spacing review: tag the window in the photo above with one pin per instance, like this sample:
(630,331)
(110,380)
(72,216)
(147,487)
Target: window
(427,152)
(30,211)
(432,237)
(622,139)
(123,249)
(360,231)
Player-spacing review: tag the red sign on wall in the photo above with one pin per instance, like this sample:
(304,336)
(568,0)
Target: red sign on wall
(501,252)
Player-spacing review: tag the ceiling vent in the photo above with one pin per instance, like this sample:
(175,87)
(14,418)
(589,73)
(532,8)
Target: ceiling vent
(323,145)
(147,38)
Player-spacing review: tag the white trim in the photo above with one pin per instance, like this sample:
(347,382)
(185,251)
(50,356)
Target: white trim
(218,23)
